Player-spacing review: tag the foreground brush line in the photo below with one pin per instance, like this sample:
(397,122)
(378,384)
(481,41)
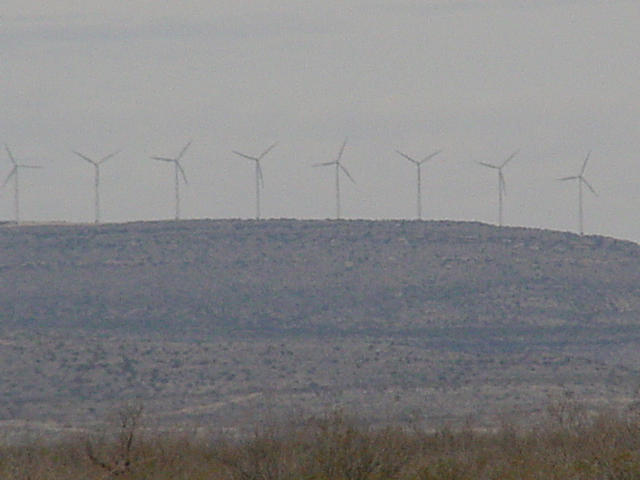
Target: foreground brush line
(565,445)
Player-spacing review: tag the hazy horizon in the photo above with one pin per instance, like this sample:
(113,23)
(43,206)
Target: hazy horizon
(477,79)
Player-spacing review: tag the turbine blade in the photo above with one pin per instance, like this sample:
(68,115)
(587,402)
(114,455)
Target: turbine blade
(503,184)
(84,157)
(267,151)
(13,160)
(163,159)
(323,164)
(339,157)
(568,178)
(11,174)
(29,166)
(111,155)
(510,158)
(245,156)
(584,165)
(260,175)
(407,157)
(346,172)
(484,164)
(429,157)
(184,149)
(184,175)
(584,180)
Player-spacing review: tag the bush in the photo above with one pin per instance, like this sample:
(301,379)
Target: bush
(338,447)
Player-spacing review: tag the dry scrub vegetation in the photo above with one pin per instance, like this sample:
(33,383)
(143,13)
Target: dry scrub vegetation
(566,444)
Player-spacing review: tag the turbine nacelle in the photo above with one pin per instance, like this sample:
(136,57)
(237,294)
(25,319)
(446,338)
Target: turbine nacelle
(259,174)
(13,174)
(418,163)
(502,184)
(339,167)
(178,171)
(257,159)
(337,162)
(175,161)
(580,177)
(581,181)
(16,165)
(96,163)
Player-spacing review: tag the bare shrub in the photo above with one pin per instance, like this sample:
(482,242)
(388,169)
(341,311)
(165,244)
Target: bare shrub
(566,413)
(338,447)
(261,457)
(116,455)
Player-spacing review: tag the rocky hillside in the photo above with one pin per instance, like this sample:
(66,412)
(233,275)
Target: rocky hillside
(211,322)
(312,276)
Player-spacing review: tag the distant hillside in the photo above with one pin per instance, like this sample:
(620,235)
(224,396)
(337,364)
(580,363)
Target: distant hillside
(213,322)
(312,276)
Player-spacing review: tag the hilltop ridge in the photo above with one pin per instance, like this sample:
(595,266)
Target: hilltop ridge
(286,275)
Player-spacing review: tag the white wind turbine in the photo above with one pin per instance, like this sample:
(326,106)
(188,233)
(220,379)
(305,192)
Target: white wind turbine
(502,185)
(96,179)
(418,164)
(178,170)
(339,167)
(581,180)
(259,176)
(14,173)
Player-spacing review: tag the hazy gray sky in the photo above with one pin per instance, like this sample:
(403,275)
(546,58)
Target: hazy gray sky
(476,78)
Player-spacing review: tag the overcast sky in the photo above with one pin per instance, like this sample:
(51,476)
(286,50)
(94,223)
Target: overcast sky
(475,78)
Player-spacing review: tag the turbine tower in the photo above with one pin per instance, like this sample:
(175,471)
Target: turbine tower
(259,176)
(14,173)
(502,185)
(581,180)
(178,170)
(339,167)
(96,165)
(418,164)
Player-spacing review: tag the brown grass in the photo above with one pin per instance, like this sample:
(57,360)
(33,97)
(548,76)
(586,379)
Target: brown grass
(567,444)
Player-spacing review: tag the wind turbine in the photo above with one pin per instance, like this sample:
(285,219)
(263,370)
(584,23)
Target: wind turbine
(502,185)
(178,170)
(339,167)
(96,165)
(14,173)
(418,164)
(259,176)
(581,180)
